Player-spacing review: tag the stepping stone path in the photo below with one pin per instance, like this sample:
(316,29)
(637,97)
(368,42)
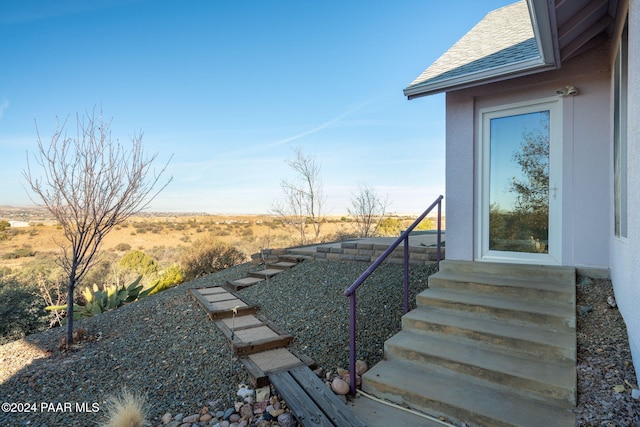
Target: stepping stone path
(261,346)
(281,264)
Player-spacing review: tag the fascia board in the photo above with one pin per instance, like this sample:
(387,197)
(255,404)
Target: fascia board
(480,77)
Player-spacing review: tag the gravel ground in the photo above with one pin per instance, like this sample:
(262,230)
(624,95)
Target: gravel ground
(165,346)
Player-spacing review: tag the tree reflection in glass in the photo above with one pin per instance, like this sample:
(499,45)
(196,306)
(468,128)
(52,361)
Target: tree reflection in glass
(519,183)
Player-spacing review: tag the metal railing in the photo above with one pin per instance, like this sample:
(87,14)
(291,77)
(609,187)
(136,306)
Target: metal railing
(351,291)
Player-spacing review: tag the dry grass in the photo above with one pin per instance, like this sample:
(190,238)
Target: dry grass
(126,410)
(169,232)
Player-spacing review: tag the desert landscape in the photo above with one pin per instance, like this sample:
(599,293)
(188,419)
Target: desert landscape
(162,234)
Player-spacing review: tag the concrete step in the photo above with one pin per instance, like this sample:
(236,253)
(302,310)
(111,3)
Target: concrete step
(540,273)
(493,284)
(281,265)
(546,314)
(510,336)
(457,397)
(550,381)
(264,274)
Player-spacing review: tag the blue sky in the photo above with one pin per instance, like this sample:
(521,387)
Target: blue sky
(231,88)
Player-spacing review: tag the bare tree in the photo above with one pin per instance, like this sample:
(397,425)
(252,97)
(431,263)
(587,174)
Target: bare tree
(303,202)
(368,209)
(90,184)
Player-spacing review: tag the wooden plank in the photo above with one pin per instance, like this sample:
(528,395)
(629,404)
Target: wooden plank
(256,363)
(212,290)
(243,283)
(301,405)
(333,407)
(267,273)
(256,375)
(222,309)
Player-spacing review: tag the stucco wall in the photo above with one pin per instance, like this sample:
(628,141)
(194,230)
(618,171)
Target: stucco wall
(625,253)
(586,210)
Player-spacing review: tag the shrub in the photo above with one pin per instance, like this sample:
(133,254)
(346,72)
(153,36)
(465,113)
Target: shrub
(21,310)
(425,224)
(4,224)
(23,252)
(389,227)
(139,262)
(123,247)
(168,279)
(207,256)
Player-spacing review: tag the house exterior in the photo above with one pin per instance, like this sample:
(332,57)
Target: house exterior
(543,141)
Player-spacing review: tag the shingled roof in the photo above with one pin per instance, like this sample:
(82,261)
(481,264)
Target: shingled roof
(501,44)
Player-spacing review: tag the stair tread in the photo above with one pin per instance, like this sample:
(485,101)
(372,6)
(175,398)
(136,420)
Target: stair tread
(558,373)
(497,280)
(560,275)
(481,403)
(495,301)
(485,323)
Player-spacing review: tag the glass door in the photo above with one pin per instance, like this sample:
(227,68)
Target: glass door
(520,183)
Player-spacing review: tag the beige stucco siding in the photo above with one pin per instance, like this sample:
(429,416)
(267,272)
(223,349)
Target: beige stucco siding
(586,162)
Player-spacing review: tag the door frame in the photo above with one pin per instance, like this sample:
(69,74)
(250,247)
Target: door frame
(483,253)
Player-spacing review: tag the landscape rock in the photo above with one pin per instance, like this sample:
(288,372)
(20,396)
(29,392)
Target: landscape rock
(339,386)
(191,419)
(361,367)
(287,420)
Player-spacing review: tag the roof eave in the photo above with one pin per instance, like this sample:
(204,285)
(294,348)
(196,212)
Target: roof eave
(545,33)
(481,77)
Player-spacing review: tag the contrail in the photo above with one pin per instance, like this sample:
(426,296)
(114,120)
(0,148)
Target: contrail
(322,126)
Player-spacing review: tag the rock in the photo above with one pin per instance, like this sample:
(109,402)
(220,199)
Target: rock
(585,309)
(224,423)
(204,410)
(276,412)
(237,406)
(263,393)
(611,301)
(347,379)
(166,418)
(319,372)
(361,367)
(243,423)
(215,404)
(260,407)
(191,419)
(263,423)
(286,420)
(174,423)
(244,391)
(339,386)
(227,413)
(185,425)
(341,372)
(179,417)
(246,411)
(234,418)
(204,418)
(220,414)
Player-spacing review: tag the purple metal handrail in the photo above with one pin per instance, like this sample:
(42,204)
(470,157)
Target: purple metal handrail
(351,291)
